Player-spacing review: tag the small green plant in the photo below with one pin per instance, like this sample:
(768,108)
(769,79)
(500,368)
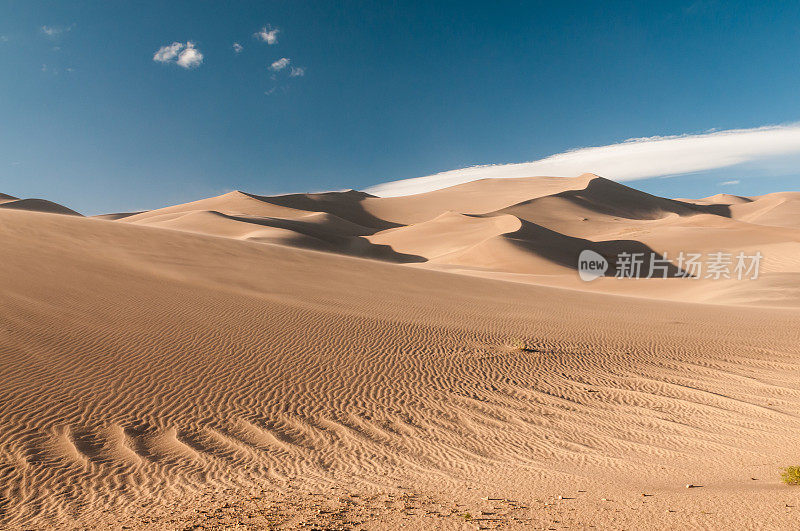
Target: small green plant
(466,516)
(521,345)
(791,475)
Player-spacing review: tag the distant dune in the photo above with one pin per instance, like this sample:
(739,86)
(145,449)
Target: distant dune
(116,215)
(36,205)
(342,361)
(528,230)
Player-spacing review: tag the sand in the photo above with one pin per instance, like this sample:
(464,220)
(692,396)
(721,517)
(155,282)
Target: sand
(528,230)
(35,205)
(251,361)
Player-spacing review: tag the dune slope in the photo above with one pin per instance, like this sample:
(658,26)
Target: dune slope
(528,230)
(36,205)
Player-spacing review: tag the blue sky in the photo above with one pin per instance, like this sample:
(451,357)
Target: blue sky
(388,91)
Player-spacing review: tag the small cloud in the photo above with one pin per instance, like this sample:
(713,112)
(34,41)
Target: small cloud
(267,34)
(270,91)
(55,31)
(190,57)
(184,55)
(237,48)
(167,53)
(297,71)
(729,183)
(3,38)
(280,64)
(16,163)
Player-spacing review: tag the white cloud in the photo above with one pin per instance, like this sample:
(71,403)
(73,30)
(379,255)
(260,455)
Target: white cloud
(3,38)
(267,34)
(52,31)
(297,71)
(280,64)
(729,183)
(769,149)
(190,57)
(237,48)
(167,53)
(55,31)
(184,55)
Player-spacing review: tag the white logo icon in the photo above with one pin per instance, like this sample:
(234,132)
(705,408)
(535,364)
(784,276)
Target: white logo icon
(591,265)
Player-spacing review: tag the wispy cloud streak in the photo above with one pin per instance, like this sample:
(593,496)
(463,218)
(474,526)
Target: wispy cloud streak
(55,31)
(772,149)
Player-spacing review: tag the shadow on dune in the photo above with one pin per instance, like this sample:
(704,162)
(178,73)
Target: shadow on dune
(717,210)
(114,216)
(565,250)
(610,198)
(345,205)
(326,240)
(37,205)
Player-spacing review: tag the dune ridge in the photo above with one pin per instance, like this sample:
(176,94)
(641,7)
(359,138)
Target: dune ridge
(36,205)
(528,230)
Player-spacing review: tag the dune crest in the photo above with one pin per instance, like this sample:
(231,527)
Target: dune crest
(528,230)
(35,205)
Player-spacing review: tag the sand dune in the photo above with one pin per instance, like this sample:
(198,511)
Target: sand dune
(723,199)
(529,229)
(780,209)
(222,363)
(36,205)
(116,215)
(446,234)
(344,205)
(477,197)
